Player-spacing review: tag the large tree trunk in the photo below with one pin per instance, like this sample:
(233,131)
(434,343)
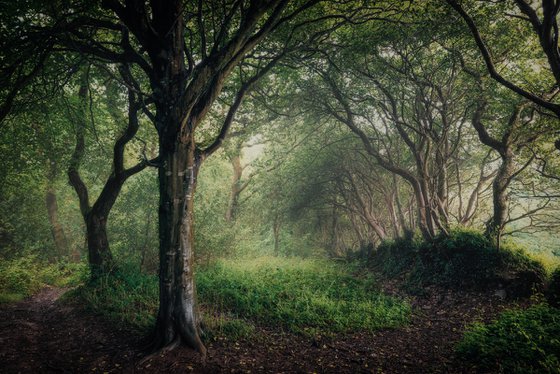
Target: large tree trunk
(178,319)
(99,255)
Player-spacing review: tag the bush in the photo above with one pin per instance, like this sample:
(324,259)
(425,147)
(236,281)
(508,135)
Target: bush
(520,341)
(462,259)
(396,257)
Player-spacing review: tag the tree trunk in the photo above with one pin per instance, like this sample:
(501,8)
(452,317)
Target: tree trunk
(276,232)
(500,196)
(178,319)
(235,189)
(59,237)
(99,255)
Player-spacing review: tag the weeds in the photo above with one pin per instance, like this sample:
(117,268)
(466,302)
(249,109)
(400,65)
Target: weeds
(520,341)
(24,276)
(299,295)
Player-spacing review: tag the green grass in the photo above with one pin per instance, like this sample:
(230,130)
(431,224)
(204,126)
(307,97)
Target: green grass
(520,341)
(301,295)
(126,297)
(24,276)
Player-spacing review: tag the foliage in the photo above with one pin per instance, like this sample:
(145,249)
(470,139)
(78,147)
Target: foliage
(553,291)
(520,341)
(127,296)
(299,294)
(465,258)
(303,295)
(394,257)
(23,276)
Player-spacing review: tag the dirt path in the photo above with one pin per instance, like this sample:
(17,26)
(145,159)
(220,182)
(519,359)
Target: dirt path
(41,335)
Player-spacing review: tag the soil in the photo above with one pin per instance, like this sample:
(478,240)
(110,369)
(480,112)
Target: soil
(45,335)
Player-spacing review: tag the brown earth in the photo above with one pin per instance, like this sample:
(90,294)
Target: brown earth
(43,335)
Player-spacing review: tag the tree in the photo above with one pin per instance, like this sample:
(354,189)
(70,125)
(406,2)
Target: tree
(95,215)
(185,52)
(542,21)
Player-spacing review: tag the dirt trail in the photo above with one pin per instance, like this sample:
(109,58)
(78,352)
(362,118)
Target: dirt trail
(41,335)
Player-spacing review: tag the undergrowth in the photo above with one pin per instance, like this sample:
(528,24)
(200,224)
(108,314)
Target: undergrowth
(307,296)
(520,341)
(462,259)
(302,295)
(24,276)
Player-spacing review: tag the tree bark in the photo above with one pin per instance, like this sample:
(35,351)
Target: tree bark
(99,255)
(506,170)
(500,197)
(237,185)
(276,225)
(177,319)
(59,237)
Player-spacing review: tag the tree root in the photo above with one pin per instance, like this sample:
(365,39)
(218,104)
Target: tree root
(167,348)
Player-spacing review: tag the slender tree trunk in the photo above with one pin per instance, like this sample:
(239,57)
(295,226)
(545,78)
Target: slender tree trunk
(235,189)
(59,237)
(500,196)
(276,225)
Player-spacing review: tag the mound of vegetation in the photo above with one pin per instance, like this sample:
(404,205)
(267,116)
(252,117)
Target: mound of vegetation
(520,341)
(462,259)
(24,276)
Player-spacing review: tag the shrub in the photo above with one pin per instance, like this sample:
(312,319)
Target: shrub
(520,341)
(462,259)
(397,256)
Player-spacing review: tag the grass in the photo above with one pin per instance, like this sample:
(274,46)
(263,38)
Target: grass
(519,341)
(126,297)
(301,295)
(24,276)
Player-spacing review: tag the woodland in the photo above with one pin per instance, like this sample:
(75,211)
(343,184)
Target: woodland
(341,186)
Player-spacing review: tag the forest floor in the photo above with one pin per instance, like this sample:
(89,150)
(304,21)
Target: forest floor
(45,335)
